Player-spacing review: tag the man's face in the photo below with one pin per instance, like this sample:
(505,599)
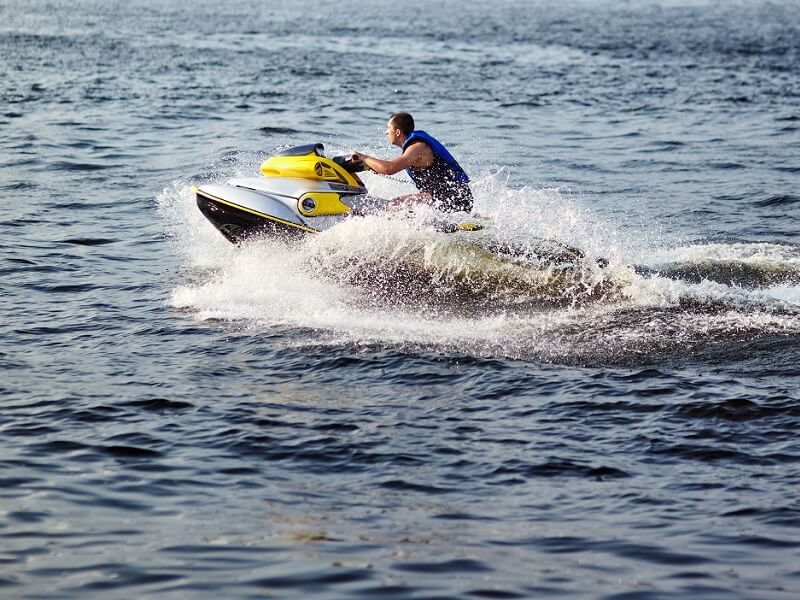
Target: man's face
(391,133)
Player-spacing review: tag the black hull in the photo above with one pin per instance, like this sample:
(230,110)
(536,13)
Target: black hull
(238,224)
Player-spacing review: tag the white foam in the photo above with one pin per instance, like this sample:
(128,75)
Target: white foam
(787,294)
(265,283)
(750,253)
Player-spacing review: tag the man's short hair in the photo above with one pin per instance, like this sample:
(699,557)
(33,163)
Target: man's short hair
(403,121)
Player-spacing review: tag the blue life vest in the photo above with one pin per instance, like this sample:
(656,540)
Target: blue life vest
(459,175)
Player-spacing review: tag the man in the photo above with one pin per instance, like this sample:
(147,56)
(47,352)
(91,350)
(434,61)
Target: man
(441,181)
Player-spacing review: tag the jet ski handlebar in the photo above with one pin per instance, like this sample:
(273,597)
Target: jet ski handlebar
(351,166)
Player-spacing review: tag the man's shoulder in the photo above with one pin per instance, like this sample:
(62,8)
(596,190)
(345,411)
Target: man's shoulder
(419,153)
(418,146)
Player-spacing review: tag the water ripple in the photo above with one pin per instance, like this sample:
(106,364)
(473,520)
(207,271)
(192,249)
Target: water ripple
(185,418)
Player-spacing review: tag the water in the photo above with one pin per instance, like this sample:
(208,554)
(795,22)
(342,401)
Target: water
(183,418)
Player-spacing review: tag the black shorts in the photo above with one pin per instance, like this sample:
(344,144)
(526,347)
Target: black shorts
(453,198)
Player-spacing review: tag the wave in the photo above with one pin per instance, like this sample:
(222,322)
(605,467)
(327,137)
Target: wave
(778,200)
(747,265)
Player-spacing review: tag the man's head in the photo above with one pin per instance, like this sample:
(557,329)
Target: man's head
(399,127)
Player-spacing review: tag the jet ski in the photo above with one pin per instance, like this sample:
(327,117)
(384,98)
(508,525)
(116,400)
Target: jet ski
(300,191)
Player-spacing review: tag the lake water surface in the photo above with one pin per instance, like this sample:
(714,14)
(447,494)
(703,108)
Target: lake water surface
(184,418)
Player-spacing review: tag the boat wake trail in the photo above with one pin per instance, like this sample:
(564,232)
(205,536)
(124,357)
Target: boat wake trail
(544,281)
(750,266)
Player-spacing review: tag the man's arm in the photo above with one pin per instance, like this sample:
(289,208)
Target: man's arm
(416,155)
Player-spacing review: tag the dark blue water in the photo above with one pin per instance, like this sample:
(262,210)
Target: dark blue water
(182,418)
